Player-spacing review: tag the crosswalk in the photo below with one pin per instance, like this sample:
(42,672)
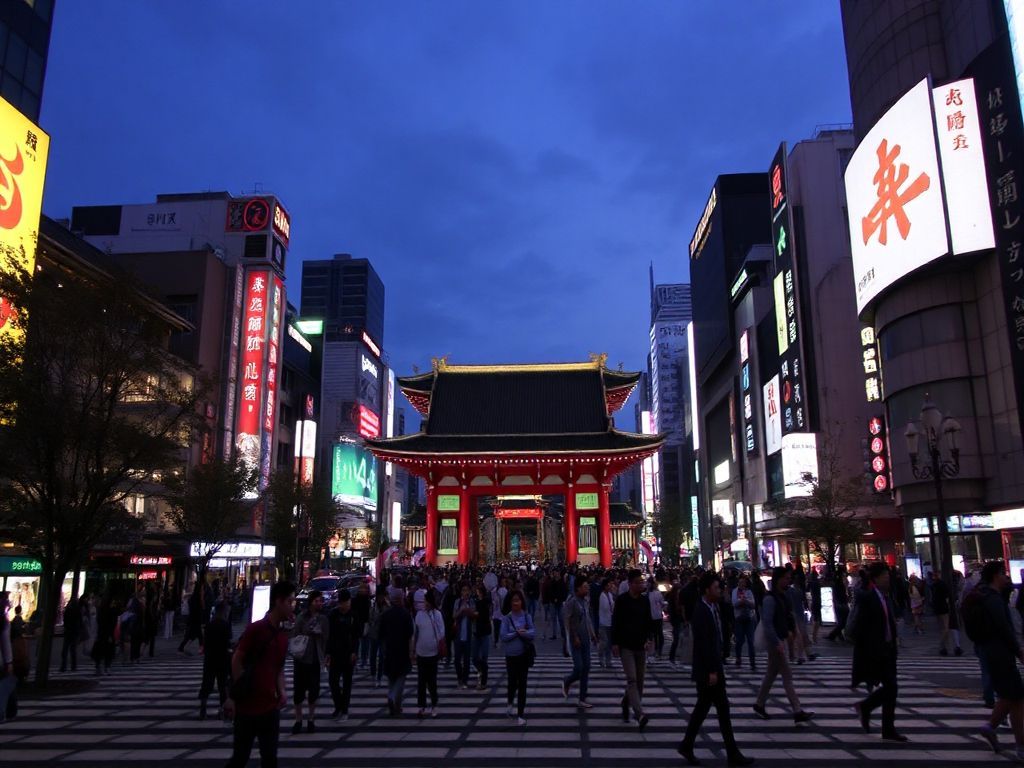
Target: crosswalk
(148,714)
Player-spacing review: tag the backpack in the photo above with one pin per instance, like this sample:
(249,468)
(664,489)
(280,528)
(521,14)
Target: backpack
(977,622)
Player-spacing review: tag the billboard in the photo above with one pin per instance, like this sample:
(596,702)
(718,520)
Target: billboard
(270,406)
(894,198)
(963,167)
(354,476)
(799,462)
(23,153)
(772,416)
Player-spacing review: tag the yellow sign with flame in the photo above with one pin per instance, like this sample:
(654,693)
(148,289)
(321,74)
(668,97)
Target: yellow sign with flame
(23,151)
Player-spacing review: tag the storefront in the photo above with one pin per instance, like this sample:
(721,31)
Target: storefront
(973,539)
(1010,525)
(237,563)
(21,575)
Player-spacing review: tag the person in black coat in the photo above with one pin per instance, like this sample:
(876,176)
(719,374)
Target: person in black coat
(709,673)
(72,631)
(216,657)
(874,651)
(396,632)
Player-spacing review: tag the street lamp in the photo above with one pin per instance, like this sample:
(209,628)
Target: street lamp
(939,432)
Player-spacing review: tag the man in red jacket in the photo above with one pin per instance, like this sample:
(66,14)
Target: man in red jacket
(258,687)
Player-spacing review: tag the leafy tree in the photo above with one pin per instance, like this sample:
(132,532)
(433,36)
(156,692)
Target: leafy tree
(300,519)
(207,504)
(667,525)
(92,406)
(829,516)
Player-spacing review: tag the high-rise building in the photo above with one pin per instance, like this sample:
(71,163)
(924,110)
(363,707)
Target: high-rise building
(734,219)
(24,47)
(938,289)
(671,312)
(347,294)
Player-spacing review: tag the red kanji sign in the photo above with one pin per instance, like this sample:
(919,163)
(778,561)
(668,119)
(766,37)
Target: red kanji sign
(888,180)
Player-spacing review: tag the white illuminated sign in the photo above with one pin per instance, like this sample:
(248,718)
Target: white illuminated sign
(722,473)
(233,550)
(694,407)
(1007,518)
(307,432)
(395,524)
(371,344)
(369,366)
(299,339)
(744,347)
(963,167)
(799,462)
(894,196)
(772,416)
(389,428)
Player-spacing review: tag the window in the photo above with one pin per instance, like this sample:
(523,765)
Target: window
(34,72)
(952,397)
(938,325)
(14,61)
(135,503)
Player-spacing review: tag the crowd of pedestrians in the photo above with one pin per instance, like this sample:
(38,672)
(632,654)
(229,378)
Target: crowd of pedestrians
(452,620)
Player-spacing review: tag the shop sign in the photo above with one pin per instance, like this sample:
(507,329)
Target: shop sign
(586,501)
(20,565)
(1007,518)
(149,560)
(871,361)
(233,550)
(772,416)
(878,455)
(447,503)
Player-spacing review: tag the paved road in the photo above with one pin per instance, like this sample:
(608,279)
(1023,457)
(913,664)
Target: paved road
(147,714)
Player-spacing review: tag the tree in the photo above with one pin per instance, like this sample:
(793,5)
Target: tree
(828,517)
(208,505)
(91,407)
(667,524)
(300,519)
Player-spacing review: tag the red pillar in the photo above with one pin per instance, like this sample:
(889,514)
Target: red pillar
(464,499)
(604,527)
(571,526)
(432,524)
(474,519)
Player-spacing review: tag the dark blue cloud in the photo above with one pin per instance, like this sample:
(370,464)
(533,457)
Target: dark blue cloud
(510,168)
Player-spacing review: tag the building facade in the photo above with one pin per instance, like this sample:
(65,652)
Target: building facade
(947,327)
(25,27)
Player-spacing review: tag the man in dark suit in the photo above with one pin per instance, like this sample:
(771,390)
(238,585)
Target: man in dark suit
(709,674)
(874,651)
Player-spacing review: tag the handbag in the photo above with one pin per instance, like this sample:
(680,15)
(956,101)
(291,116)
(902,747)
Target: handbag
(760,638)
(442,646)
(297,646)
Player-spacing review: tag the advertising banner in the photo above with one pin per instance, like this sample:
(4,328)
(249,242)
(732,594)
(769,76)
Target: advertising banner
(270,407)
(252,368)
(23,153)
(354,476)
(894,198)
(772,417)
(1003,137)
(799,463)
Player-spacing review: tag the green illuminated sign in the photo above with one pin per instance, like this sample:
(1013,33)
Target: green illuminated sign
(20,565)
(310,327)
(354,476)
(447,503)
(586,501)
(449,544)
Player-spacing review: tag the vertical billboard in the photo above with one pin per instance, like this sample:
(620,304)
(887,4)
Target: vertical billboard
(772,417)
(257,378)
(23,153)
(354,476)
(1003,138)
(787,316)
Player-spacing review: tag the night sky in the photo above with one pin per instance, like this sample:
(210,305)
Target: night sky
(510,168)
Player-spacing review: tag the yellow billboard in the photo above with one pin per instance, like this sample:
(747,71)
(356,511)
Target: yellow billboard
(23,151)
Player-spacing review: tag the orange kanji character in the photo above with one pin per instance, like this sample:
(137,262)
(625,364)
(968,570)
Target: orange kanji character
(888,178)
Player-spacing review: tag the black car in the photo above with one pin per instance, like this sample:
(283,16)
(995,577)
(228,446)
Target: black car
(328,585)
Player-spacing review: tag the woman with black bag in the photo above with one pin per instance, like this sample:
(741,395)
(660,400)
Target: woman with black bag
(517,636)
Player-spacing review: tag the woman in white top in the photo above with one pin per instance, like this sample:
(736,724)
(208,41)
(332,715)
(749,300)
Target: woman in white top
(606,605)
(657,601)
(428,638)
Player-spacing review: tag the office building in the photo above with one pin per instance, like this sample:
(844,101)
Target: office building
(25,27)
(347,294)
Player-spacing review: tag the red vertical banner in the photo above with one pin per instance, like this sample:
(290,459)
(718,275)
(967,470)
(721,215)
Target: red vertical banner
(275,307)
(251,367)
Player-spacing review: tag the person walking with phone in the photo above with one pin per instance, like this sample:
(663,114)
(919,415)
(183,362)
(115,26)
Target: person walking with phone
(709,674)
(517,636)
(580,630)
(258,689)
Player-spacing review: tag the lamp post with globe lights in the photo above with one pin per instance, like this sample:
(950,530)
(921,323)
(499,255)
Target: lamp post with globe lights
(941,461)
